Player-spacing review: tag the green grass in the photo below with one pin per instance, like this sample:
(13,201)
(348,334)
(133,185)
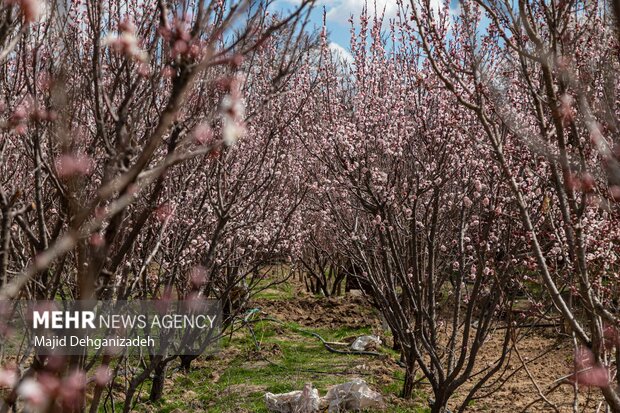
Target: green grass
(281,291)
(244,379)
(236,378)
(276,286)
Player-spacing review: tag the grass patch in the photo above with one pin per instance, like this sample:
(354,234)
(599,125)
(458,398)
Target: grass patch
(244,379)
(279,357)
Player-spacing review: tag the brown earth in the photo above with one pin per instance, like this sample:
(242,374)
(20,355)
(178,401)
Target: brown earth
(352,311)
(542,358)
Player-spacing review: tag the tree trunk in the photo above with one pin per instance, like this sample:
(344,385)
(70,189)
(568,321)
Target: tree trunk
(612,398)
(159,377)
(407,392)
(440,404)
(186,362)
(99,387)
(396,342)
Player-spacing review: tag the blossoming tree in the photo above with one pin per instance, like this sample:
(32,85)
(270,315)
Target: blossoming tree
(124,174)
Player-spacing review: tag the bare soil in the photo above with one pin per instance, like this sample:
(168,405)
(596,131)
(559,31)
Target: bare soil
(236,378)
(351,311)
(544,358)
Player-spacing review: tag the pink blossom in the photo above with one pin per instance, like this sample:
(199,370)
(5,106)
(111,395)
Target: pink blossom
(68,165)
(33,393)
(167,72)
(194,51)
(50,382)
(203,133)
(214,153)
(72,389)
(19,114)
(164,212)
(198,276)
(611,336)
(21,129)
(126,42)
(103,375)
(8,378)
(587,182)
(144,70)
(39,114)
(567,113)
(589,372)
(96,240)
(32,10)
(232,131)
(478,185)
(180,47)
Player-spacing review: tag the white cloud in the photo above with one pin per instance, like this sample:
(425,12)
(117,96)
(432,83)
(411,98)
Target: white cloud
(341,53)
(341,12)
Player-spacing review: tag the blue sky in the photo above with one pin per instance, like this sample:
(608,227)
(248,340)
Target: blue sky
(338,13)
